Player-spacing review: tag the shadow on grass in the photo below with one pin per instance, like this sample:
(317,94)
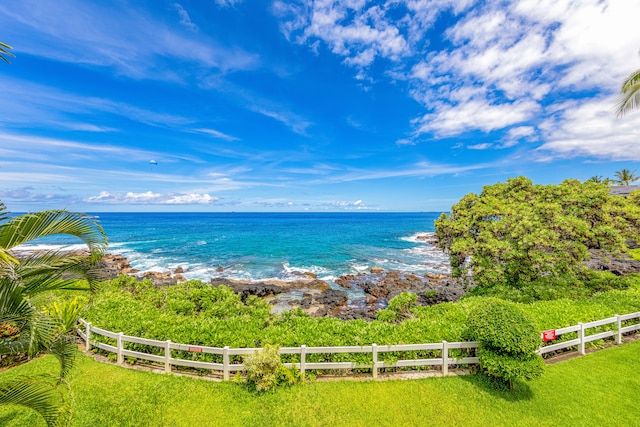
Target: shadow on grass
(520,391)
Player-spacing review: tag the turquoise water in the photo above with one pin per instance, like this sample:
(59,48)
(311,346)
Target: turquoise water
(260,246)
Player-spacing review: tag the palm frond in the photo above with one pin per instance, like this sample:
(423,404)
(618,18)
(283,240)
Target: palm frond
(65,350)
(55,270)
(4,52)
(41,394)
(24,228)
(4,213)
(630,97)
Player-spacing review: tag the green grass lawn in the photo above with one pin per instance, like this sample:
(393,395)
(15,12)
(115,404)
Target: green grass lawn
(600,389)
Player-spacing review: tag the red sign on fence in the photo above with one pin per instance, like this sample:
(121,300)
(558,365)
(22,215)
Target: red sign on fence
(198,349)
(549,335)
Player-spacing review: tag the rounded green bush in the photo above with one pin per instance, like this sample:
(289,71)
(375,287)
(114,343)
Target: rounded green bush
(504,327)
(509,368)
(508,341)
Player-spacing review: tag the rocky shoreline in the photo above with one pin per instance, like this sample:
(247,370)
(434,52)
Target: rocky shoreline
(358,296)
(352,296)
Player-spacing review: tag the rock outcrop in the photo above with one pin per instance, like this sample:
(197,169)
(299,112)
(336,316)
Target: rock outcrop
(618,265)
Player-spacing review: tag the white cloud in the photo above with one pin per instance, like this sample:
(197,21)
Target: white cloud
(185,19)
(590,129)
(217,134)
(358,205)
(227,3)
(501,63)
(150,198)
(482,146)
(475,114)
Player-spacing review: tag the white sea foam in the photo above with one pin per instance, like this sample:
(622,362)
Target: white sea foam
(418,237)
(39,247)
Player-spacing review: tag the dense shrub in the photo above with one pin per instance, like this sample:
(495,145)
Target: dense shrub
(508,341)
(399,308)
(265,370)
(584,284)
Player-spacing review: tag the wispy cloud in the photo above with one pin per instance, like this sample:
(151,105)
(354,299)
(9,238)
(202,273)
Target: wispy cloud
(421,169)
(55,108)
(216,134)
(185,19)
(150,198)
(83,34)
(590,129)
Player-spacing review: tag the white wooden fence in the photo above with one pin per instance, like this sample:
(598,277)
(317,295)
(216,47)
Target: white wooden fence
(444,361)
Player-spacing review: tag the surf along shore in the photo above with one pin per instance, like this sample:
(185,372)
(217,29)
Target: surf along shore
(351,296)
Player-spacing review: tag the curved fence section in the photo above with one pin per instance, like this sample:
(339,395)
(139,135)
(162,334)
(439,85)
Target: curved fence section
(224,360)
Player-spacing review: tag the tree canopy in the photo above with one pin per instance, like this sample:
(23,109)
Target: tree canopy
(515,232)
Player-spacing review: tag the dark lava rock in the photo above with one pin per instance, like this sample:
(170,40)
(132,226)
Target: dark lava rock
(618,265)
(159,279)
(332,298)
(258,289)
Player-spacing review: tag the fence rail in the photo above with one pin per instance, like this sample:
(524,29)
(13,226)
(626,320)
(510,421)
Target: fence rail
(615,326)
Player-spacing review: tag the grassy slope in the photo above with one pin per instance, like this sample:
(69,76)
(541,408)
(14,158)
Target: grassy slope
(598,389)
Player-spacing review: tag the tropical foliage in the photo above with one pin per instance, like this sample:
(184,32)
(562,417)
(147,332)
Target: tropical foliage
(626,177)
(517,233)
(4,52)
(599,179)
(26,278)
(266,371)
(630,97)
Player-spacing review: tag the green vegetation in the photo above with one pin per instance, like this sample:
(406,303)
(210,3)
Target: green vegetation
(626,177)
(27,330)
(197,313)
(508,341)
(265,370)
(399,308)
(517,235)
(630,97)
(598,389)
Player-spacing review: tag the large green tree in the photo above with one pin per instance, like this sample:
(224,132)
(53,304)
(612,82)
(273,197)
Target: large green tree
(516,232)
(630,97)
(27,329)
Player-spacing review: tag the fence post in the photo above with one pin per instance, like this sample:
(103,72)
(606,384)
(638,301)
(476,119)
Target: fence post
(445,358)
(303,358)
(167,357)
(225,363)
(581,337)
(619,334)
(87,344)
(119,341)
(374,353)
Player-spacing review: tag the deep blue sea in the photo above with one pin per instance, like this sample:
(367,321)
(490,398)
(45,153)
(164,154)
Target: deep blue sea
(261,246)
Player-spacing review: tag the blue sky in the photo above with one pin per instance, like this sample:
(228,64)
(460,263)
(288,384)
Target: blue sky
(272,105)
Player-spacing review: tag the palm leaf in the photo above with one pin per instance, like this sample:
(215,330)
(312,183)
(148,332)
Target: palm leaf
(55,270)
(4,213)
(630,98)
(24,228)
(65,350)
(4,51)
(40,394)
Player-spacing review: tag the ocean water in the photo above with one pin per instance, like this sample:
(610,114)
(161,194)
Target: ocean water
(263,246)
